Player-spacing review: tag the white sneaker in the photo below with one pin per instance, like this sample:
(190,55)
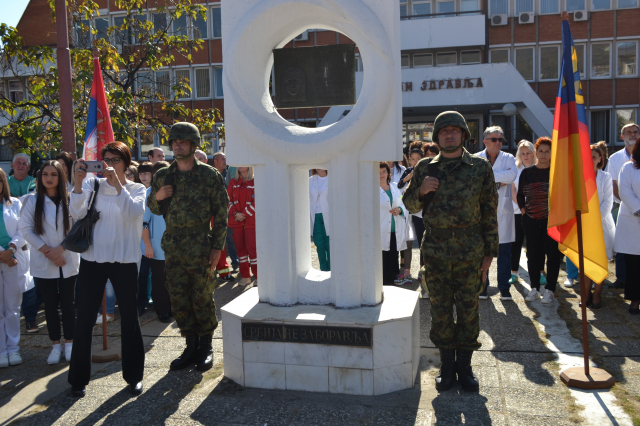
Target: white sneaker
(568,282)
(99,318)
(425,295)
(244,281)
(15,358)
(67,352)
(533,295)
(54,356)
(548,296)
(4,361)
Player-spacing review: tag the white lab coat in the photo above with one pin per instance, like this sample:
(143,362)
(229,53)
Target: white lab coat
(628,228)
(395,177)
(41,267)
(504,171)
(604,184)
(400,220)
(318,194)
(11,215)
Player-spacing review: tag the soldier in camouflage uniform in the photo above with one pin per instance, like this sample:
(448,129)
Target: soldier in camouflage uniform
(460,242)
(188,194)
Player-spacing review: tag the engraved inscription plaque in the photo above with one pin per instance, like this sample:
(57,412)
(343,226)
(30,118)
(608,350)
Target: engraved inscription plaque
(321,76)
(323,335)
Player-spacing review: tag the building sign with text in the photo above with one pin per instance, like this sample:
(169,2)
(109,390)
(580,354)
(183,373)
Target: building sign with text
(451,83)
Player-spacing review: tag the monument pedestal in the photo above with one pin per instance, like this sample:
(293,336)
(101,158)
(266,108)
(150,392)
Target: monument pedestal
(362,351)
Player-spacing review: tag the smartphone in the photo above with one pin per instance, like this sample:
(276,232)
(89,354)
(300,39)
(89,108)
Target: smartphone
(93,166)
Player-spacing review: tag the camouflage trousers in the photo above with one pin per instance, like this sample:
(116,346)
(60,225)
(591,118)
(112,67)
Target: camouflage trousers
(454,284)
(191,284)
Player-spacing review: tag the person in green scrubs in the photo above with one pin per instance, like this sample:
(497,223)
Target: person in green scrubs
(21,183)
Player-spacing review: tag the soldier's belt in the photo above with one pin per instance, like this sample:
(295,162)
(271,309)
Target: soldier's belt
(203,228)
(452,232)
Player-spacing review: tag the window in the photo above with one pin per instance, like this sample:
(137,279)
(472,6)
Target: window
(144,82)
(524,6)
(580,54)
(549,63)
(16,91)
(180,26)
(573,5)
(203,83)
(624,4)
(403,7)
(160,22)
(600,121)
(600,5)
(470,57)
(146,142)
(211,142)
(600,59)
(182,76)
(504,122)
(404,61)
(200,27)
(498,7)
(523,130)
(359,66)
(6,153)
(627,58)
(499,56)
(446,6)
(163,84)
(216,22)
(447,58)
(83,33)
(421,7)
(549,6)
(524,62)
(422,60)
(624,117)
(218,77)
(469,5)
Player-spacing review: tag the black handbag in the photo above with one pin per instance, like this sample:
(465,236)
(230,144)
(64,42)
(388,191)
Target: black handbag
(80,237)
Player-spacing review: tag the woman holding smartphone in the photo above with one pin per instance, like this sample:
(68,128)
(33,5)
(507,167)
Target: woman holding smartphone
(113,255)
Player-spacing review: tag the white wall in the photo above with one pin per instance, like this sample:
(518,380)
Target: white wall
(455,31)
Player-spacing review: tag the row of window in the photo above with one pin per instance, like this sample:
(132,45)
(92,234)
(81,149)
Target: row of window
(205,82)
(427,7)
(417,60)
(599,60)
(13,90)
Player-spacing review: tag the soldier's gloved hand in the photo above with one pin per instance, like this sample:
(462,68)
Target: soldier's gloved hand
(214,257)
(428,185)
(165,191)
(486,264)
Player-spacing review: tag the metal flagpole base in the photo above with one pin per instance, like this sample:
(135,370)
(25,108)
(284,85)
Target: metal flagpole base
(597,378)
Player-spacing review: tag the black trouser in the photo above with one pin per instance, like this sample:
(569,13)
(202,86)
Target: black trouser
(91,282)
(539,243)
(632,283)
(143,283)
(418,225)
(159,292)
(390,267)
(516,247)
(59,291)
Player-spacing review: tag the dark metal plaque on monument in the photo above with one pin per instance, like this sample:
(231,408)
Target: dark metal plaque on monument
(320,76)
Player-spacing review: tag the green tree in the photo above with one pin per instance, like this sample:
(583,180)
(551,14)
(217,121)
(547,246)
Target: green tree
(134,55)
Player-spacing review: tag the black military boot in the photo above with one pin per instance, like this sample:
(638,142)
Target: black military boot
(204,359)
(467,379)
(189,355)
(447,375)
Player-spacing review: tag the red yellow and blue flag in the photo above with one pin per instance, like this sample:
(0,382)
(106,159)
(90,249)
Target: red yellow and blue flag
(572,184)
(99,131)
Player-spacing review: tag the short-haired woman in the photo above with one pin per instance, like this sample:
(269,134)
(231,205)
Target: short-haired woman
(14,275)
(393,225)
(45,224)
(525,157)
(430,149)
(242,218)
(114,255)
(319,210)
(627,239)
(533,201)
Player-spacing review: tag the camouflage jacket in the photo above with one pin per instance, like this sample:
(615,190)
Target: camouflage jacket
(199,195)
(466,196)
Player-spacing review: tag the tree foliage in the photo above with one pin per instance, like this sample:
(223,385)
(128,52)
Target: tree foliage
(130,52)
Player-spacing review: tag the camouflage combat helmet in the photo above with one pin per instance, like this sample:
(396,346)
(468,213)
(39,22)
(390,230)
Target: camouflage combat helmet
(450,118)
(185,131)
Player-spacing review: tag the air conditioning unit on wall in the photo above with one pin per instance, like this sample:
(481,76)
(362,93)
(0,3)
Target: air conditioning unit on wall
(526,18)
(580,15)
(499,20)
(302,37)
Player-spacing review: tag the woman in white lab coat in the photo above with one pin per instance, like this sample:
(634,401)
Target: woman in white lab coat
(45,223)
(627,239)
(393,224)
(14,275)
(319,212)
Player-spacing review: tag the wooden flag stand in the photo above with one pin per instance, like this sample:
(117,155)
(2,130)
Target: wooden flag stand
(106,354)
(585,377)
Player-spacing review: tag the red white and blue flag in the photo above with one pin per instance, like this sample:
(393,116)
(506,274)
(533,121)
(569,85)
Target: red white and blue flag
(99,131)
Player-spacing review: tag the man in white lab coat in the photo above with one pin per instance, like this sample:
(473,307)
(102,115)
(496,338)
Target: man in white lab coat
(504,171)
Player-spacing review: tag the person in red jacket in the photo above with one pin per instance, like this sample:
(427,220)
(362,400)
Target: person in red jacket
(242,218)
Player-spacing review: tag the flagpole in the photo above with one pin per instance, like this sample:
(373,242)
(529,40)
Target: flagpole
(63,59)
(584,289)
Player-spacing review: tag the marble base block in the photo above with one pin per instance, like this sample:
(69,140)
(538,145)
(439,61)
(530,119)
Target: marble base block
(388,363)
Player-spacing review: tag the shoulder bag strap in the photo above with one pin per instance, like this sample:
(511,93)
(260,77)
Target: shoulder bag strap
(432,171)
(94,195)
(164,206)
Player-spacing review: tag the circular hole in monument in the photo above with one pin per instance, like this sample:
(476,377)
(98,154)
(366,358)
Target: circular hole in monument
(315,78)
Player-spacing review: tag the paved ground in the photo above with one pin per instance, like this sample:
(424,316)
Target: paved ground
(518,368)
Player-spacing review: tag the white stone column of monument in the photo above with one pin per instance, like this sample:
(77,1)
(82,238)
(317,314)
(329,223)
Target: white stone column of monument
(370,233)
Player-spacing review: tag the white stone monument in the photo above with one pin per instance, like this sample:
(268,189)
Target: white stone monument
(304,329)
